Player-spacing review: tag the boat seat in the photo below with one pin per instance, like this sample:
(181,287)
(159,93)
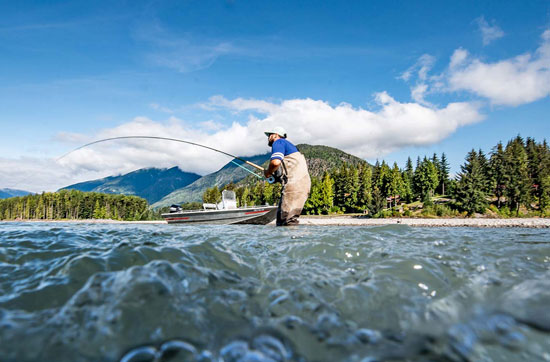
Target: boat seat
(208,206)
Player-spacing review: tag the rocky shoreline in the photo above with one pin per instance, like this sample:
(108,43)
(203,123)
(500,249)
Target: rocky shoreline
(346,220)
(440,222)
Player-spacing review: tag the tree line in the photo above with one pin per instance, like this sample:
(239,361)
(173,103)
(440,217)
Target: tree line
(74,204)
(508,178)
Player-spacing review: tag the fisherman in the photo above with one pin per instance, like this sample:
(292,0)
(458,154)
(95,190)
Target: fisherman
(287,160)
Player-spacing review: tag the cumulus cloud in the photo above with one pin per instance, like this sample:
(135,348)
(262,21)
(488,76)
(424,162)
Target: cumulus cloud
(365,133)
(510,82)
(489,33)
(519,80)
(362,132)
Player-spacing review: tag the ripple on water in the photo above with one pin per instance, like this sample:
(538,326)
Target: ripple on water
(235,293)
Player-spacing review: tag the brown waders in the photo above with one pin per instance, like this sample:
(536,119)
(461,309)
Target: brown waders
(295,190)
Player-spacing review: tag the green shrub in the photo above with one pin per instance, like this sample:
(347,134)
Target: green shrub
(383,214)
(493,208)
(504,212)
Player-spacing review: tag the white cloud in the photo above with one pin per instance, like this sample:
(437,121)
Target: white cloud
(519,80)
(365,133)
(510,82)
(489,33)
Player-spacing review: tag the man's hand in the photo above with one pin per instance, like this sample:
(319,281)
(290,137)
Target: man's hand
(273,165)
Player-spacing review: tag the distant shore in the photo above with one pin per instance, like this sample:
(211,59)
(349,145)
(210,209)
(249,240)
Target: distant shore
(347,220)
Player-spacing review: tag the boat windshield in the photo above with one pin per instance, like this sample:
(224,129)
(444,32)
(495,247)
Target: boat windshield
(229,200)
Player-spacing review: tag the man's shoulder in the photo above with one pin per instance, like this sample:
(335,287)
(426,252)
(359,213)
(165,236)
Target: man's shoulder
(284,141)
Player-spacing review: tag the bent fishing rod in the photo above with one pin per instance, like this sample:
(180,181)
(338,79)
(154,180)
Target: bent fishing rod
(270,179)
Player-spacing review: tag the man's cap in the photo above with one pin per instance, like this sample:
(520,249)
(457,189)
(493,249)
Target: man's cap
(278,130)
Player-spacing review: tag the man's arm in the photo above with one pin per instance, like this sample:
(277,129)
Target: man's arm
(273,165)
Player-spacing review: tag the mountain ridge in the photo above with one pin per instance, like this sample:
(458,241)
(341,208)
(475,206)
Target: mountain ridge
(7,193)
(150,183)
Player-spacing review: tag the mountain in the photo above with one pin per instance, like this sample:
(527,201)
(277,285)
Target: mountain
(7,193)
(323,158)
(319,160)
(150,183)
(228,173)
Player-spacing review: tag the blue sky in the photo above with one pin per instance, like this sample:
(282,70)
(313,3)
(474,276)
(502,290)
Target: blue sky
(377,79)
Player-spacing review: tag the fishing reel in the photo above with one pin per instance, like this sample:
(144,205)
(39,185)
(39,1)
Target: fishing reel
(277,176)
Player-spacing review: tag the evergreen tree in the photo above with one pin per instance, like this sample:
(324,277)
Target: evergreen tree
(378,201)
(543,188)
(384,179)
(498,172)
(313,203)
(212,195)
(408,175)
(425,180)
(472,183)
(396,183)
(485,169)
(443,173)
(327,193)
(97,210)
(517,174)
(364,195)
(544,200)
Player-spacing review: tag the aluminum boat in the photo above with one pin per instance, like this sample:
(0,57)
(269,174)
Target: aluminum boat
(225,212)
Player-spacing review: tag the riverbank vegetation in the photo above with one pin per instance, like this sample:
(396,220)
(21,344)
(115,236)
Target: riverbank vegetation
(74,205)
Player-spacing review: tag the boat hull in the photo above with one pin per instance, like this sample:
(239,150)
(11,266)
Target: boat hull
(253,215)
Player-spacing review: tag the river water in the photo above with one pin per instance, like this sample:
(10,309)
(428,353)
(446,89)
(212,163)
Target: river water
(112,292)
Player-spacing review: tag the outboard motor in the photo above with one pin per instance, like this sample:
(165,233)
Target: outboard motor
(175,208)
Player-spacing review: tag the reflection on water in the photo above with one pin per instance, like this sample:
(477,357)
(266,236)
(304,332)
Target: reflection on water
(89,292)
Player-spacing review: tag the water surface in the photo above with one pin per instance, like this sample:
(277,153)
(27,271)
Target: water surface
(110,292)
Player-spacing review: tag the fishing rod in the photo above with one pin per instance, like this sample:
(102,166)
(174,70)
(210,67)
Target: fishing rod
(270,179)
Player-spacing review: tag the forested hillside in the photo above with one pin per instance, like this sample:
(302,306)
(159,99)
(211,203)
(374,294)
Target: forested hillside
(74,204)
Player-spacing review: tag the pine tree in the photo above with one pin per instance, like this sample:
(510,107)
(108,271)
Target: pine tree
(97,210)
(408,175)
(378,201)
(435,161)
(443,173)
(327,194)
(517,174)
(544,175)
(485,169)
(425,180)
(396,183)
(472,183)
(498,173)
(364,195)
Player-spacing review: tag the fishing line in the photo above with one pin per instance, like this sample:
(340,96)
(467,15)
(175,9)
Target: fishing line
(247,170)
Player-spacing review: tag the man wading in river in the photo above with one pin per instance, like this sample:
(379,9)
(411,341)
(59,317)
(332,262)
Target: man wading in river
(295,177)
